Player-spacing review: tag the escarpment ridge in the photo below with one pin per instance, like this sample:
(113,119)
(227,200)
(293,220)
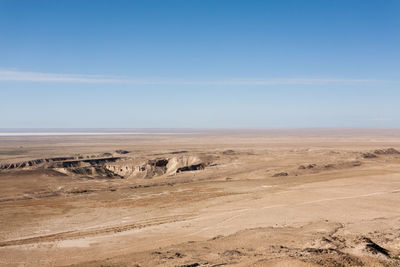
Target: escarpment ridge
(107,165)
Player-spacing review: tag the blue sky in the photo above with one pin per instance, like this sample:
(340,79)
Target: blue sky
(199,64)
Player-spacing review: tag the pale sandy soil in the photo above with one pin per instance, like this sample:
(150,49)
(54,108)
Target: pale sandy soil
(252,204)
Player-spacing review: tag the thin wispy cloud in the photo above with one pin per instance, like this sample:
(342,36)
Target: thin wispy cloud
(22,76)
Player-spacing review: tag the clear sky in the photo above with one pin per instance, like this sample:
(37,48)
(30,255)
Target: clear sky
(199,64)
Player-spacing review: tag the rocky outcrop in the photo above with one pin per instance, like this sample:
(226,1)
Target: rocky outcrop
(194,167)
(185,163)
(380,152)
(161,166)
(87,167)
(122,152)
(388,151)
(369,155)
(155,167)
(280,174)
(229,152)
(309,166)
(69,165)
(34,162)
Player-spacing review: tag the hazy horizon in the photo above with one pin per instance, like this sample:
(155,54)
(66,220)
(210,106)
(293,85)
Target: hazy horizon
(188,131)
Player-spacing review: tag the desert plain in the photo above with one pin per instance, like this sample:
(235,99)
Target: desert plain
(316,197)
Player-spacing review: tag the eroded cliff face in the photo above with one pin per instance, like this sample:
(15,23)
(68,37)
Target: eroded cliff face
(108,166)
(158,167)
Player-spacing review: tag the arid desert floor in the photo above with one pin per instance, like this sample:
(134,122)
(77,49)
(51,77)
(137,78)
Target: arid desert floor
(217,198)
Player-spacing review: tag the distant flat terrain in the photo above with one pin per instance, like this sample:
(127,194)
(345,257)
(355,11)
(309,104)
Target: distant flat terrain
(323,197)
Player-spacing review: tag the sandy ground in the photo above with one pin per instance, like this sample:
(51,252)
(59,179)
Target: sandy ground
(273,198)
